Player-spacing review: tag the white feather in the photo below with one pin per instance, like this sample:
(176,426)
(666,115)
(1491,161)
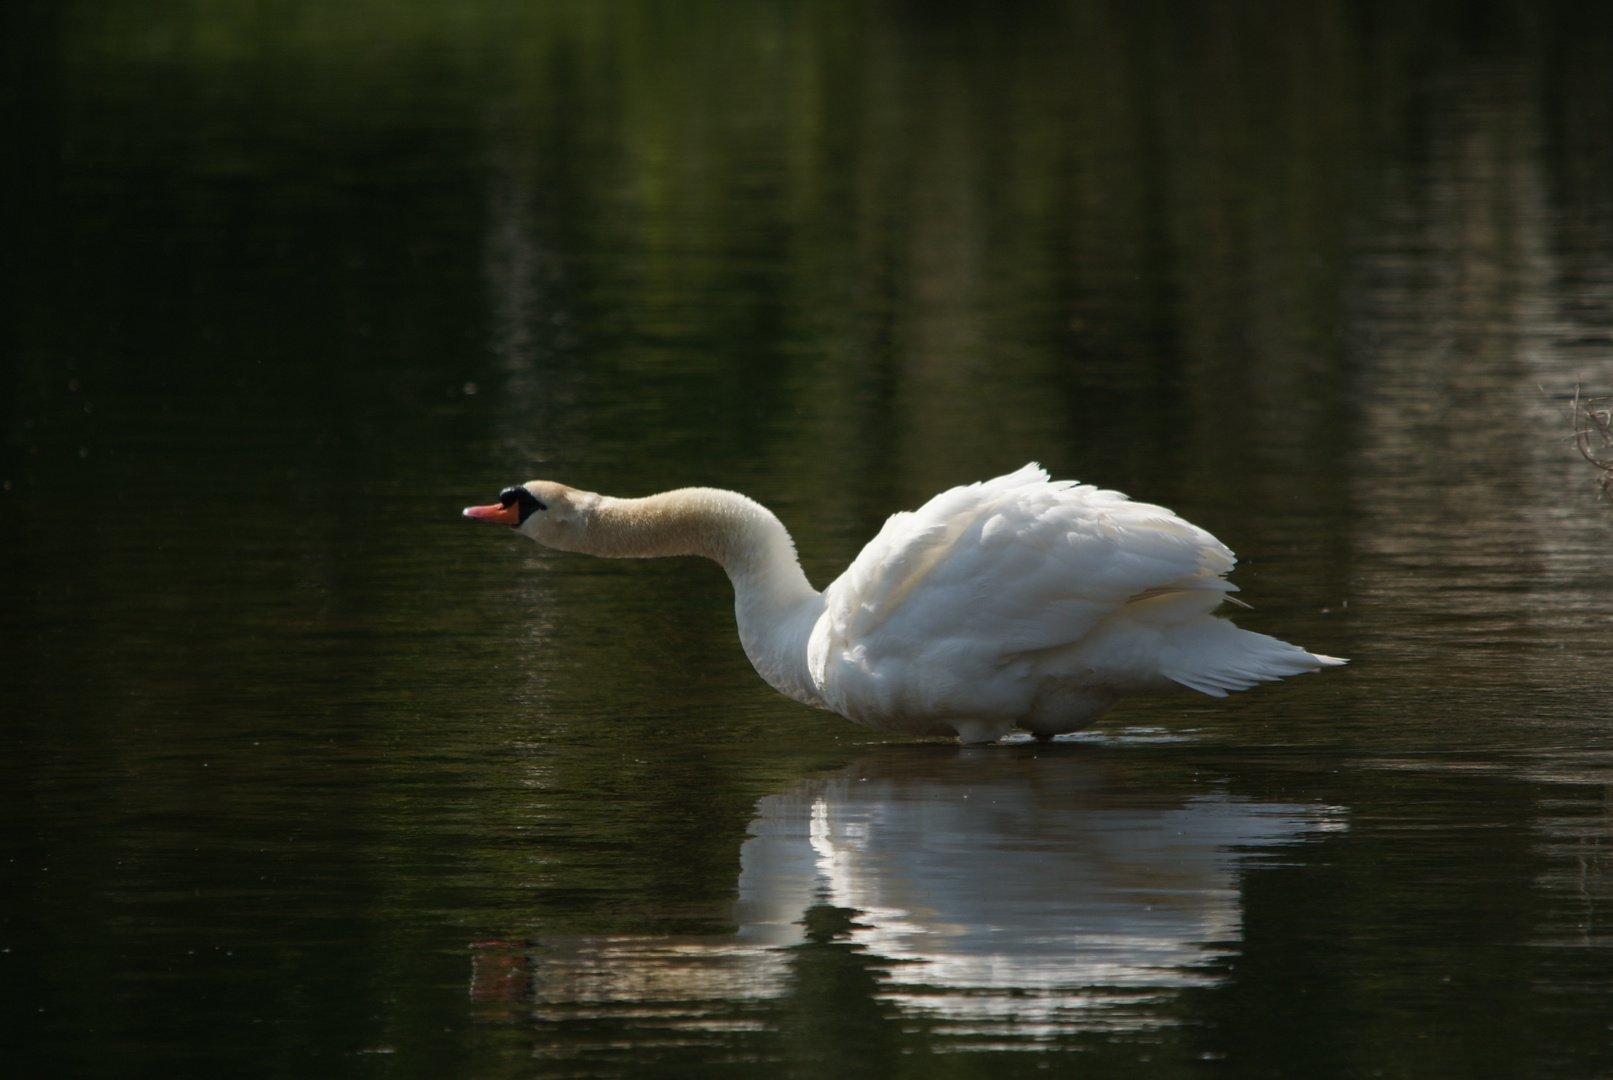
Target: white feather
(1034,603)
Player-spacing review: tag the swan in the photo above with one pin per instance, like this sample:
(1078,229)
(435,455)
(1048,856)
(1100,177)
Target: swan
(1015,602)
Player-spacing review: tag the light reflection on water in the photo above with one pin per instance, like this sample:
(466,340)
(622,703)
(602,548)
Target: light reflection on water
(1018,895)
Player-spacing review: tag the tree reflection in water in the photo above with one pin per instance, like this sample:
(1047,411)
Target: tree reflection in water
(997,897)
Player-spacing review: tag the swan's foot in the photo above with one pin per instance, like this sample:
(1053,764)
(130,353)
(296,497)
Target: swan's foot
(976,732)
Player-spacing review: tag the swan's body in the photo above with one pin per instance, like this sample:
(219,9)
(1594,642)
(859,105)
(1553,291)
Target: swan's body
(1016,602)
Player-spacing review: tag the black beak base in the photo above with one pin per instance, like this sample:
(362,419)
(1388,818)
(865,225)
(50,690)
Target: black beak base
(526,502)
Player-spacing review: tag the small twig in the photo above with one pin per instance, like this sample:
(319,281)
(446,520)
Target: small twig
(1593,435)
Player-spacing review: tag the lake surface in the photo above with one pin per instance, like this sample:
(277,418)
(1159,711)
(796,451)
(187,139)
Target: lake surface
(304,776)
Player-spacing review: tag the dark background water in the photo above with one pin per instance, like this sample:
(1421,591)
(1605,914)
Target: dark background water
(302,775)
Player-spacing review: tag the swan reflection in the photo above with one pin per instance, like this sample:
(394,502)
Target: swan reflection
(1031,884)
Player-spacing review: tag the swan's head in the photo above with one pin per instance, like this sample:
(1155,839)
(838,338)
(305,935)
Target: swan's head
(552,514)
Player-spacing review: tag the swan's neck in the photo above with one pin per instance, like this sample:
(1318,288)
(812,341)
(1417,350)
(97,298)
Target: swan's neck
(775,605)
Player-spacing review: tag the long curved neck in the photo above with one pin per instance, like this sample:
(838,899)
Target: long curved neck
(739,533)
(775,605)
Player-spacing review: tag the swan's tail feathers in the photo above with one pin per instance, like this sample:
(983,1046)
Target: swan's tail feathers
(1219,657)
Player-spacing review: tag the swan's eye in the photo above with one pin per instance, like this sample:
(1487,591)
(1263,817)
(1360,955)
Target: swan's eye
(521,497)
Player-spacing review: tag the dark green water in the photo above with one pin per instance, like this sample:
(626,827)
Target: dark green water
(302,775)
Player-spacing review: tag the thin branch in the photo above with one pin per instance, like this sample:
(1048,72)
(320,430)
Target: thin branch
(1593,435)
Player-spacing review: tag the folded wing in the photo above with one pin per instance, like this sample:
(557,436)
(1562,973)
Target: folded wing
(984,574)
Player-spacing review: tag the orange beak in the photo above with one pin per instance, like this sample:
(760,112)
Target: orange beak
(499,515)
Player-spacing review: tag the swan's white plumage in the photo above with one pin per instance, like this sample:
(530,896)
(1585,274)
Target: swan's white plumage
(1014,601)
(986,597)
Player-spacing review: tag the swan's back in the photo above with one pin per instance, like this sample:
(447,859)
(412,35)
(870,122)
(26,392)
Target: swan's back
(968,605)
(1019,564)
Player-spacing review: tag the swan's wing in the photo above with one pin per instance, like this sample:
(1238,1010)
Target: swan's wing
(1008,566)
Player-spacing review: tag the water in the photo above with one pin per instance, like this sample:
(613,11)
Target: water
(305,776)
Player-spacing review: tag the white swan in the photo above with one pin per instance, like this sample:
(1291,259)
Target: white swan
(1013,602)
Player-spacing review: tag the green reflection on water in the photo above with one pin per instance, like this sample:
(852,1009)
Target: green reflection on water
(288,284)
